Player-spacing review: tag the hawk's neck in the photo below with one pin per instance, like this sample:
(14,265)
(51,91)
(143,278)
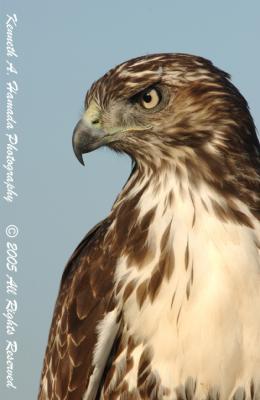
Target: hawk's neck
(157,209)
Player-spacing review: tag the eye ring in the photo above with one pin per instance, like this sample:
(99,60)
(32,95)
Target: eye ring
(150,98)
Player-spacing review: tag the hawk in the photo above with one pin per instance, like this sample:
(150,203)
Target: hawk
(161,300)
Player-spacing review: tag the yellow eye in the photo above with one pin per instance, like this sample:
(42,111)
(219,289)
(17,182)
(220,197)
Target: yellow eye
(150,98)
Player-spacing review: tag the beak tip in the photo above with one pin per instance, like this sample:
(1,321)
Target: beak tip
(81,161)
(79,157)
(77,152)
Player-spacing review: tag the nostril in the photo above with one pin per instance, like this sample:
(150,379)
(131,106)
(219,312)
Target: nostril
(95,121)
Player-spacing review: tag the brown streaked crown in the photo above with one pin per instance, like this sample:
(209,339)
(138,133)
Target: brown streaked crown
(203,106)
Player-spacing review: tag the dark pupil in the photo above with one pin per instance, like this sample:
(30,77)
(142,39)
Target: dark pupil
(147,98)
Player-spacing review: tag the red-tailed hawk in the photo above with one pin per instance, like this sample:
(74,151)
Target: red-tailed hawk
(161,300)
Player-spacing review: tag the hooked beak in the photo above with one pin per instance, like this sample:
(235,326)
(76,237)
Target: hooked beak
(87,138)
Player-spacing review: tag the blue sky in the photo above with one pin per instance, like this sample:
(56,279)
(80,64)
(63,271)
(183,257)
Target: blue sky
(63,48)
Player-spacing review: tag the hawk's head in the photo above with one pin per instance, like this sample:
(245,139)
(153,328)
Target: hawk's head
(166,108)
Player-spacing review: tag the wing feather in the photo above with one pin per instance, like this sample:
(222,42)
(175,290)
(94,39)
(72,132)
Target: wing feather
(84,325)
